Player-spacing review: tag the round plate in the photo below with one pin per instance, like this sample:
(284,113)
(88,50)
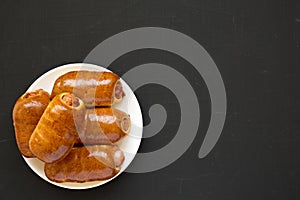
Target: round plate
(129,144)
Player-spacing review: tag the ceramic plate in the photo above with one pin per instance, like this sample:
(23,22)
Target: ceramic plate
(129,144)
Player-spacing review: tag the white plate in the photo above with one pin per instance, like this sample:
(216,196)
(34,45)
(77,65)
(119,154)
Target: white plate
(129,144)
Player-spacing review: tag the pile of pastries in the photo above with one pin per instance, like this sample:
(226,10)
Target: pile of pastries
(75,129)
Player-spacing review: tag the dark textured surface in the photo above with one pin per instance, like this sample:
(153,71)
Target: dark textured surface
(255,45)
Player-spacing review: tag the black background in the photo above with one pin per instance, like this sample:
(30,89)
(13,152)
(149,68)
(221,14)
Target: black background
(255,45)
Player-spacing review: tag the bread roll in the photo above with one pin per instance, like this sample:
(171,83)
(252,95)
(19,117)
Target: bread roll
(103,126)
(94,88)
(89,163)
(56,132)
(26,114)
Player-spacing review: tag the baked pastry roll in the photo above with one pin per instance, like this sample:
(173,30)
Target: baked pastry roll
(56,132)
(103,126)
(94,88)
(88,163)
(27,112)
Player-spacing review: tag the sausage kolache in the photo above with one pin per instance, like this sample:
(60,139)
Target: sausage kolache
(94,88)
(103,126)
(88,163)
(26,115)
(73,130)
(56,132)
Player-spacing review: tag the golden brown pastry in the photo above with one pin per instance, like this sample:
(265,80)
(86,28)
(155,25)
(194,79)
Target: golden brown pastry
(94,88)
(103,126)
(55,134)
(89,163)
(26,114)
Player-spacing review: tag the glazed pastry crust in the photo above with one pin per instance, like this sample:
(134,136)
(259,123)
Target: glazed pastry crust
(27,112)
(103,126)
(84,164)
(56,132)
(94,88)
